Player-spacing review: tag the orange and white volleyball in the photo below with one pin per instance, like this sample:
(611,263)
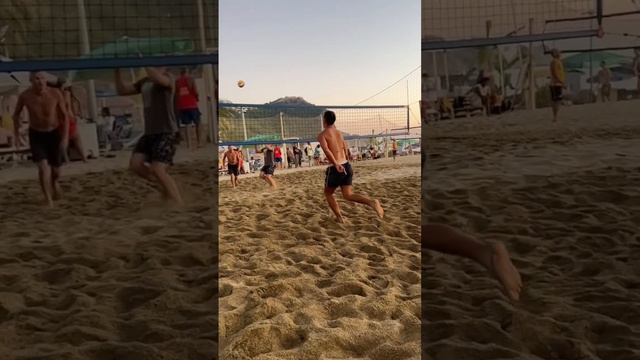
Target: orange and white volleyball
(241,83)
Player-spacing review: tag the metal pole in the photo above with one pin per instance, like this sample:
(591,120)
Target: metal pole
(208,74)
(284,145)
(408,118)
(435,70)
(532,90)
(446,71)
(86,49)
(244,128)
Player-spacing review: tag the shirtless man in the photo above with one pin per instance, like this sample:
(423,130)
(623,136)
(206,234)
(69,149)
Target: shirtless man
(269,167)
(48,131)
(154,152)
(340,174)
(232,157)
(604,78)
(493,257)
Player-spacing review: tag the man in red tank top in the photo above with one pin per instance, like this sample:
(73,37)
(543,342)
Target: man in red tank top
(187,105)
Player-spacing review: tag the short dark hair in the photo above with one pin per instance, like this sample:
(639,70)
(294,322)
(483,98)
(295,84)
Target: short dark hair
(329,117)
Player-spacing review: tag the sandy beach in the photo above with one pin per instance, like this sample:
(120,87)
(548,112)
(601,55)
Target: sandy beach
(565,199)
(294,284)
(110,272)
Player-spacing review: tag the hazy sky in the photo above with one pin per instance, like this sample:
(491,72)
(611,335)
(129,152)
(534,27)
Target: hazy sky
(330,52)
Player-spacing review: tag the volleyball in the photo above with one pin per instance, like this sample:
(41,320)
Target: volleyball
(241,83)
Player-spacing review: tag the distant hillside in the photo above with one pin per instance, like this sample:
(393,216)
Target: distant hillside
(300,119)
(291,101)
(40,30)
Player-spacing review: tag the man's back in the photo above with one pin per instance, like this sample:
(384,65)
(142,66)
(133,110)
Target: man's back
(335,143)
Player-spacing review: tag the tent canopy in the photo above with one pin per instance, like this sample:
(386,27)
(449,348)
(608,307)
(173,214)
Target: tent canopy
(582,60)
(133,47)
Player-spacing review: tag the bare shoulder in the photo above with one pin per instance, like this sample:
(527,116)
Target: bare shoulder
(322,134)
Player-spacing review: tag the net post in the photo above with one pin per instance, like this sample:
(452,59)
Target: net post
(85,50)
(284,144)
(532,91)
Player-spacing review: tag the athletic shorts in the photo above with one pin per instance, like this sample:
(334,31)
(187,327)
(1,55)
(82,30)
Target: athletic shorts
(157,147)
(46,145)
(189,116)
(334,179)
(556,93)
(234,169)
(395,152)
(268,169)
(278,160)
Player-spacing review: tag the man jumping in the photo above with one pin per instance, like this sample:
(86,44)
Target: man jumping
(154,151)
(269,167)
(340,174)
(48,131)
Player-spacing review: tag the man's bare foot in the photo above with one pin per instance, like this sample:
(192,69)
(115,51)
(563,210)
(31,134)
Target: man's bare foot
(48,203)
(341,220)
(504,271)
(378,208)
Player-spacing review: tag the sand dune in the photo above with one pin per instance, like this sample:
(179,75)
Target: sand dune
(565,199)
(110,273)
(296,285)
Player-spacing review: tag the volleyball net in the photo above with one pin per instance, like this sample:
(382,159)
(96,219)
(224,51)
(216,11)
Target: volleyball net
(83,41)
(93,34)
(510,41)
(251,124)
(452,24)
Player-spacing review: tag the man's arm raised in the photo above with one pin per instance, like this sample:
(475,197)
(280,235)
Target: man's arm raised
(124,87)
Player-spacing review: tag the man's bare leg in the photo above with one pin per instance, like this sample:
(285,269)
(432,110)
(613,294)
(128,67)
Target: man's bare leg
(167,183)
(197,135)
(44,175)
(333,204)
(270,181)
(137,166)
(348,194)
(55,183)
(556,109)
(494,258)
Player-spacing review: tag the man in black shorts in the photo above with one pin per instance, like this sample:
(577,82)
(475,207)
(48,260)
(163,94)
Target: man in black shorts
(340,174)
(267,171)
(48,131)
(557,82)
(232,157)
(154,151)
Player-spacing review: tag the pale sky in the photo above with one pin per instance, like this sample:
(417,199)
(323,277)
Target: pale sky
(330,52)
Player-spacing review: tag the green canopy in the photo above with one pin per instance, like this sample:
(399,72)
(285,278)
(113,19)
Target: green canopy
(265,138)
(133,47)
(582,60)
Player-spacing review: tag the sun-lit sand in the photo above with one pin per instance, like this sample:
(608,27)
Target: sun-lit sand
(111,272)
(565,199)
(294,284)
